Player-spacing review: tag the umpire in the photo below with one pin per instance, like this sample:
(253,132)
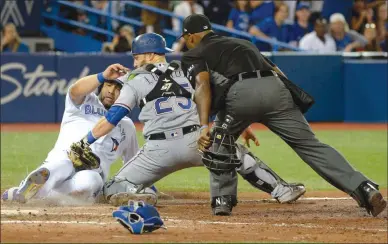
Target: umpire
(257,91)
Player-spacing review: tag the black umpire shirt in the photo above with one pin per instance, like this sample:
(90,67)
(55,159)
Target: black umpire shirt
(227,56)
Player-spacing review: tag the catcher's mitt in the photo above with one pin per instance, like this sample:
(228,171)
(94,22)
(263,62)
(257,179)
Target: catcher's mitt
(82,156)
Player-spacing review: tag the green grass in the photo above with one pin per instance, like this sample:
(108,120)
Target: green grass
(366,150)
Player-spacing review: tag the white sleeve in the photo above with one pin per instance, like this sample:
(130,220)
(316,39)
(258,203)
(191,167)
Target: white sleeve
(71,106)
(304,43)
(132,146)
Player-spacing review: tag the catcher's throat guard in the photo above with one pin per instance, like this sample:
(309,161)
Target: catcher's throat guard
(221,156)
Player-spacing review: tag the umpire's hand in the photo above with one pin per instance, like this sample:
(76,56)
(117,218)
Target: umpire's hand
(248,135)
(204,139)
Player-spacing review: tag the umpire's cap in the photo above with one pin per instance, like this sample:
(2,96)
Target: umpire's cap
(195,23)
(149,43)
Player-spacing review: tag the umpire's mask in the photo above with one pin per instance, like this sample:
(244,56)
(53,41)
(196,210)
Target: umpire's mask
(221,157)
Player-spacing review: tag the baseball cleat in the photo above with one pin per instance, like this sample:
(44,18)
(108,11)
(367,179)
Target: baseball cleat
(31,185)
(376,203)
(295,191)
(9,195)
(122,198)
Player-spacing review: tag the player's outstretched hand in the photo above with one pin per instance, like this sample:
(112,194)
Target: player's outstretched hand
(204,139)
(114,71)
(248,135)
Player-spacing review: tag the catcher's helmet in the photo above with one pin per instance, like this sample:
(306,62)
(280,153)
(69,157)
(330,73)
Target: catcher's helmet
(222,155)
(149,43)
(115,80)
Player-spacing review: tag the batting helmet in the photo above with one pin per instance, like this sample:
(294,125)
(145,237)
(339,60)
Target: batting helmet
(115,80)
(149,43)
(222,155)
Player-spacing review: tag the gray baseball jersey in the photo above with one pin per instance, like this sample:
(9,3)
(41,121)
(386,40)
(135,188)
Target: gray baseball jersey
(162,114)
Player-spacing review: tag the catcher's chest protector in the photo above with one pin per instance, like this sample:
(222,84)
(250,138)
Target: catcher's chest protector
(166,85)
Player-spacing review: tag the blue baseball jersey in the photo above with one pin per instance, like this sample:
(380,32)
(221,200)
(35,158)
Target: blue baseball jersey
(240,19)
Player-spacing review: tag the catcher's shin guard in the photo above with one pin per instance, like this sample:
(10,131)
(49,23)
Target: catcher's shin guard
(247,171)
(31,185)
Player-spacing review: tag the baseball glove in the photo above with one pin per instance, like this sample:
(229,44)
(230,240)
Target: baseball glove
(82,156)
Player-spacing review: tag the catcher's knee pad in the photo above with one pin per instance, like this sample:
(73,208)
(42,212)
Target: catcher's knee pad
(221,157)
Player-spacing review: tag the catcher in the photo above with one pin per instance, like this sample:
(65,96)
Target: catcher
(71,171)
(171,131)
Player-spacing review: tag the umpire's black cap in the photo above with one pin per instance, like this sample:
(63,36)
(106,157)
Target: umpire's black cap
(195,23)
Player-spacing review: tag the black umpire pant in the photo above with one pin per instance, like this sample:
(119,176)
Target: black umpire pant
(267,101)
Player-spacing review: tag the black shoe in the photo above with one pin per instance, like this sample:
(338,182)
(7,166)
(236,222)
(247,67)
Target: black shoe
(223,205)
(368,197)
(375,201)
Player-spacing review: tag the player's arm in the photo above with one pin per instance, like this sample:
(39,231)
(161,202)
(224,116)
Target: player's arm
(86,85)
(115,114)
(80,151)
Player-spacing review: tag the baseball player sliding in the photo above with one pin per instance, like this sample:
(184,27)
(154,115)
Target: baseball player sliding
(58,175)
(171,131)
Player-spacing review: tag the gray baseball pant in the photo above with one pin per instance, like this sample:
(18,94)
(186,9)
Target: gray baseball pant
(268,101)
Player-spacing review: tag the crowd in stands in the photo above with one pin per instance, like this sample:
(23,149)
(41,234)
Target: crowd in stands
(322,26)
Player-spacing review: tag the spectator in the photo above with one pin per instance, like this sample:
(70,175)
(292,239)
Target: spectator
(302,25)
(370,34)
(11,41)
(123,41)
(152,21)
(217,10)
(292,8)
(360,16)
(273,27)
(239,16)
(74,14)
(345,40)
(337,6)
(261,10)
(184,9)
(318,40)
(382,25)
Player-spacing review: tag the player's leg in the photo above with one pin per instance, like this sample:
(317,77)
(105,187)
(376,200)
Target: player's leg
(262,177)
(40,182)
(83,185)
(293,128)
(155,160)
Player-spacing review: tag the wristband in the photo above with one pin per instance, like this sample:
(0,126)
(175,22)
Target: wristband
(90,138)
(100,77)
(203,127)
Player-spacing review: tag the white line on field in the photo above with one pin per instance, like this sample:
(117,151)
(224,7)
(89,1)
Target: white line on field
(186,224)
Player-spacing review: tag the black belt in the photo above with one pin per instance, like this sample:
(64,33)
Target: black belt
(254,74)
(162,136)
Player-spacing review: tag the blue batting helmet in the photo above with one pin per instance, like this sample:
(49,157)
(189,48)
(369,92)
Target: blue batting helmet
(149,43)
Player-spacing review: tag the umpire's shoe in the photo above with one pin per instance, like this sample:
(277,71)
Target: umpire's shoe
(223,205)
(31,185)
(368,196)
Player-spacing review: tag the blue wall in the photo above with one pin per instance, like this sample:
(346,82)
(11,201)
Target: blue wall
(33,85)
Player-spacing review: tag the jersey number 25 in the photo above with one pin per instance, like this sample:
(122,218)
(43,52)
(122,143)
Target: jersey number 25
(161,107)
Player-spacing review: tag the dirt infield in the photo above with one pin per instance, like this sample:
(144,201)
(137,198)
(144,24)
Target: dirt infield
(188,219)
(315,126)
